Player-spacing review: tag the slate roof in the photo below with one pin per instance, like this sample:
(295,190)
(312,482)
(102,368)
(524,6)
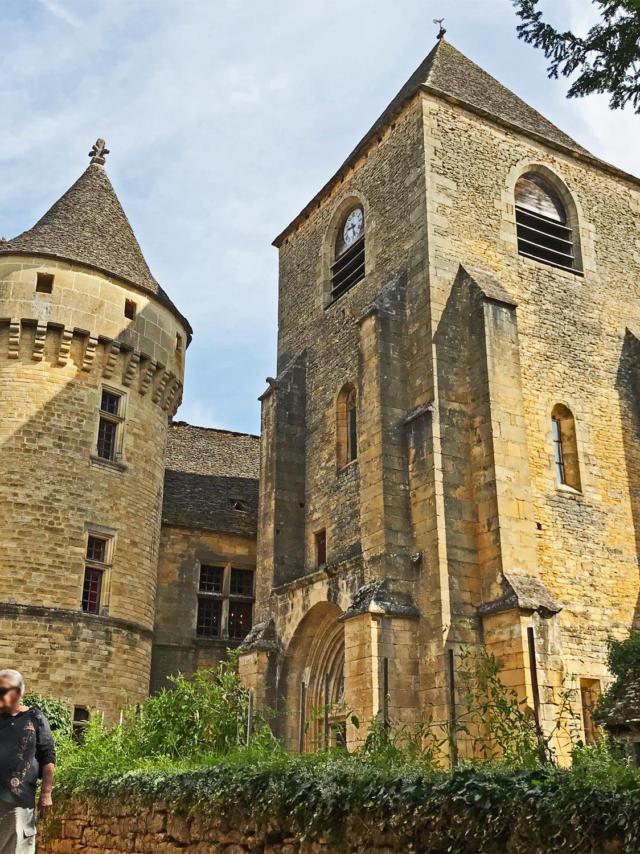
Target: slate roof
(450,74)
(624,712)
(211,479)
(88,225)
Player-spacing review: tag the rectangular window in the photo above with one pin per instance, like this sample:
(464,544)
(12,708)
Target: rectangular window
(109,425)
(94,573)
(558,454)
(241,582)
(211,579)
(225,602)
(129,309)
(239,619)
(321,548)
(92,590)
(352,427)
(209,622)
(44,283)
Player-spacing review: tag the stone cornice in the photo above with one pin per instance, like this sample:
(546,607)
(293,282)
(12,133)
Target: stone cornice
(72,617)
(115,360)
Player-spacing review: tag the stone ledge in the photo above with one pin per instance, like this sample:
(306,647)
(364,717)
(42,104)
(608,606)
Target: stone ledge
(65,615)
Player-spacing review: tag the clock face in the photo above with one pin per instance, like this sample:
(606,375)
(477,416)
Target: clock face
(353,226)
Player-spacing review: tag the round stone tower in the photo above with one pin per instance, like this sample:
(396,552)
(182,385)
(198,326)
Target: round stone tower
(91,369)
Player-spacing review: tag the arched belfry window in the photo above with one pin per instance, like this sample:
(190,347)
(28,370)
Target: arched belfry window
(565,447)
(544,231)
(347,426)
(348,264)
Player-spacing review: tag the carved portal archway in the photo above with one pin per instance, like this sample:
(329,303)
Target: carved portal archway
(314,681)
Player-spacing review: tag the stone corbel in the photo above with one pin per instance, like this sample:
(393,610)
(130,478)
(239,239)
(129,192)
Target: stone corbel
(378,597)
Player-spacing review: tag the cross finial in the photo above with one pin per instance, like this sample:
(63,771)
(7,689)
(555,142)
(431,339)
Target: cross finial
(442,30)
(99,152)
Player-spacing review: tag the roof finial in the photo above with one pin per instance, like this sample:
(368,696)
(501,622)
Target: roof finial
(99,152)
(442,30)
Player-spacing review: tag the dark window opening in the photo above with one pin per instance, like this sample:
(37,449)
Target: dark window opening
(321,548)
(239,505)
(209,620)
(541,224)
(130,308)
(240,614)
(211,578)
(348,270)
(81,717)
(352,428)
(241,582)
(565,447)
(91,590)
(110,402)
(44,283)
(110,420)
(97,549)
(558,454)
(93,575)
(107,435)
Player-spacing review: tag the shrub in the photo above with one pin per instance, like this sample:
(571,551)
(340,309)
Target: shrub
(55,711)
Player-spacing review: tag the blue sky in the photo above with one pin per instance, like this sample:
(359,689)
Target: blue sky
(224,117)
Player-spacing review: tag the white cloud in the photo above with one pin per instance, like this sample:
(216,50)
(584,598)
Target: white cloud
(224,119)
(59,11)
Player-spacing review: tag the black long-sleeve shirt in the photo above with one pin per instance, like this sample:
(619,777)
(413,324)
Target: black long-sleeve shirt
(26,745)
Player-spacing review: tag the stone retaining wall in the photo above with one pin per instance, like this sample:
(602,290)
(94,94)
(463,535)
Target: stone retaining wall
(116,827)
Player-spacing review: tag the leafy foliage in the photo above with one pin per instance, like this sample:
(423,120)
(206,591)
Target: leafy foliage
(188,747)
(607,59)
(623,658)
(193,720)
(55,711)
(472,809)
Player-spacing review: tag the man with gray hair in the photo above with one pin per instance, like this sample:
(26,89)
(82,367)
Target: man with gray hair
(26,754)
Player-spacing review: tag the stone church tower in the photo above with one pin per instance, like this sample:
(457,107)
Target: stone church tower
(450,450)
(91,367)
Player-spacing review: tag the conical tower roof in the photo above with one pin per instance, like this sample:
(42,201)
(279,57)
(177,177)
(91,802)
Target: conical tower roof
(88,225)
(450,75)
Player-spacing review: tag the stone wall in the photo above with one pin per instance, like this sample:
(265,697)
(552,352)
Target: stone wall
(128,826)
(176,648)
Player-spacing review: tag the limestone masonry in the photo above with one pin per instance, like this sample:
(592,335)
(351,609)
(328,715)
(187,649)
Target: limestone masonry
(449,451)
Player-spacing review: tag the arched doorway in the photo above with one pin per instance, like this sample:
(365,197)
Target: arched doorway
(313,681)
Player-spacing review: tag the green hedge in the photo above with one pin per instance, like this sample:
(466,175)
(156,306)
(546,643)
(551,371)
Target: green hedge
(584,809)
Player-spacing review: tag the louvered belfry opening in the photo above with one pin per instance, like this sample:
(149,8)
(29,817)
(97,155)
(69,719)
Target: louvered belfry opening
(541,222)
(348,268)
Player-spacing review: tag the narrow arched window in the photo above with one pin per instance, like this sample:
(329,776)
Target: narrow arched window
(349,255)
(565,447)
(543,229)
(347,426)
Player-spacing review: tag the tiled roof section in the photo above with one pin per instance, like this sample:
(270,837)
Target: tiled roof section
(88,225)
(211,479)
(449,73)
(452,73)
(624,712)
(204,450)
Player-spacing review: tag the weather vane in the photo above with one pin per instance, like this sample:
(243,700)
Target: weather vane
(99,152)
(442,30)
